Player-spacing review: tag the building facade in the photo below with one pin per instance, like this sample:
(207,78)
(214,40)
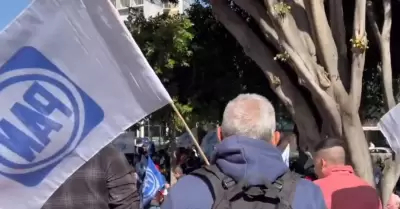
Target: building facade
(149,8)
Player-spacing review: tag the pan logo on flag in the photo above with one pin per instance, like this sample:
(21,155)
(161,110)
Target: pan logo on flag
(43,116)
(150,184)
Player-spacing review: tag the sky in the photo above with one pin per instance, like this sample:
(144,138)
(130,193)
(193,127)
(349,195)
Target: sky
(9,9)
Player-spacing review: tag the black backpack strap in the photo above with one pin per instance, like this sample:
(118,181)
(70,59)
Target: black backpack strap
(224,188)
(287,182)
(216,181)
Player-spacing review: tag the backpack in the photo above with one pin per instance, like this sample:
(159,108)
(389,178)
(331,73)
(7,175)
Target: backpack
(228,194)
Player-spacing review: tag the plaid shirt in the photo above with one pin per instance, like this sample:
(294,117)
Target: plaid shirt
(105,181)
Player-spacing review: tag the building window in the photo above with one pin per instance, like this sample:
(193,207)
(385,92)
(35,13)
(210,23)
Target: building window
(125,3)
(138,2)
(169,5)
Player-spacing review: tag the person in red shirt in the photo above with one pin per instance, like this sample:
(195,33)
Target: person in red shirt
(341,187)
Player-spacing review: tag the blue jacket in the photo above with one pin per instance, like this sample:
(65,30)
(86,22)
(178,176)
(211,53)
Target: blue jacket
(241,157)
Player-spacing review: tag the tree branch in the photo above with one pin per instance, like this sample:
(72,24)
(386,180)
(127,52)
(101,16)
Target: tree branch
(326,47)
(391,174)
(279,81)
(358,57)
(316,73)
(392,169)
(302,17)
(374,25)
(386,55)
(328,107)
(286,27)
(256,10)
(306,30)
(289,32)
(383,42)
(337,25)
(297,107)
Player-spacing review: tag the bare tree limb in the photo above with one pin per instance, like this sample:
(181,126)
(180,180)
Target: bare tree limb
(326,47)
(302,17)
(392,168)
(325,43)
(255,9)
(288,30)
(286,27)
(358,146)
(386,55)
(391,174)
(328,107)
(383,42)
(372,22)
(279,81)
(289,96)
(336,19)
(306,30)
(358,57)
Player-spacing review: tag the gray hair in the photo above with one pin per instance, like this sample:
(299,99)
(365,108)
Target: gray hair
(249,115)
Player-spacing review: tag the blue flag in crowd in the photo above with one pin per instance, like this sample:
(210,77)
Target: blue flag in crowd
(154,181)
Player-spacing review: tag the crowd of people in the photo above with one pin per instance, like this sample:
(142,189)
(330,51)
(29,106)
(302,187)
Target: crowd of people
(246,171)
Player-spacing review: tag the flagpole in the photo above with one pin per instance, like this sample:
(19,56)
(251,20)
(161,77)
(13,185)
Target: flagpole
(190,133)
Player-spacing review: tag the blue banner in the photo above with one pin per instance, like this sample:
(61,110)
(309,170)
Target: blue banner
(154,181)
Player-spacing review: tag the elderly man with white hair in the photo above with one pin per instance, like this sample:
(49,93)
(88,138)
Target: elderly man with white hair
(247,169)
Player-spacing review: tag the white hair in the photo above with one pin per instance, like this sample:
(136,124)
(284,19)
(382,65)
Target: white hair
(249,115)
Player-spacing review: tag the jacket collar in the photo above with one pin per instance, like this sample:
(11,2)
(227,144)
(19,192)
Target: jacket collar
(338,169)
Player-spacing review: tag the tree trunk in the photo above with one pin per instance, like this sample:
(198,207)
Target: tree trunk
(391,171)
(389,179)
(358,146)
(279,81)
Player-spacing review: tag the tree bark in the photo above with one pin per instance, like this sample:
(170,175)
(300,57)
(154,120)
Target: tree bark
(358,146)
(301,113)
(392,168)
(386,55)
(336,20)
(390,177)
(358,57)
(279,82)
(391,171)
(305,28)
(302,64)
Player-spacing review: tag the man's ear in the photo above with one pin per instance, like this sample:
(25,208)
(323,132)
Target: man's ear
(219,133)
(323,163)
(276,137)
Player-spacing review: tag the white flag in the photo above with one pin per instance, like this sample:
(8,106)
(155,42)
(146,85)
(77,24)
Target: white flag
(71,80)
(389,126)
